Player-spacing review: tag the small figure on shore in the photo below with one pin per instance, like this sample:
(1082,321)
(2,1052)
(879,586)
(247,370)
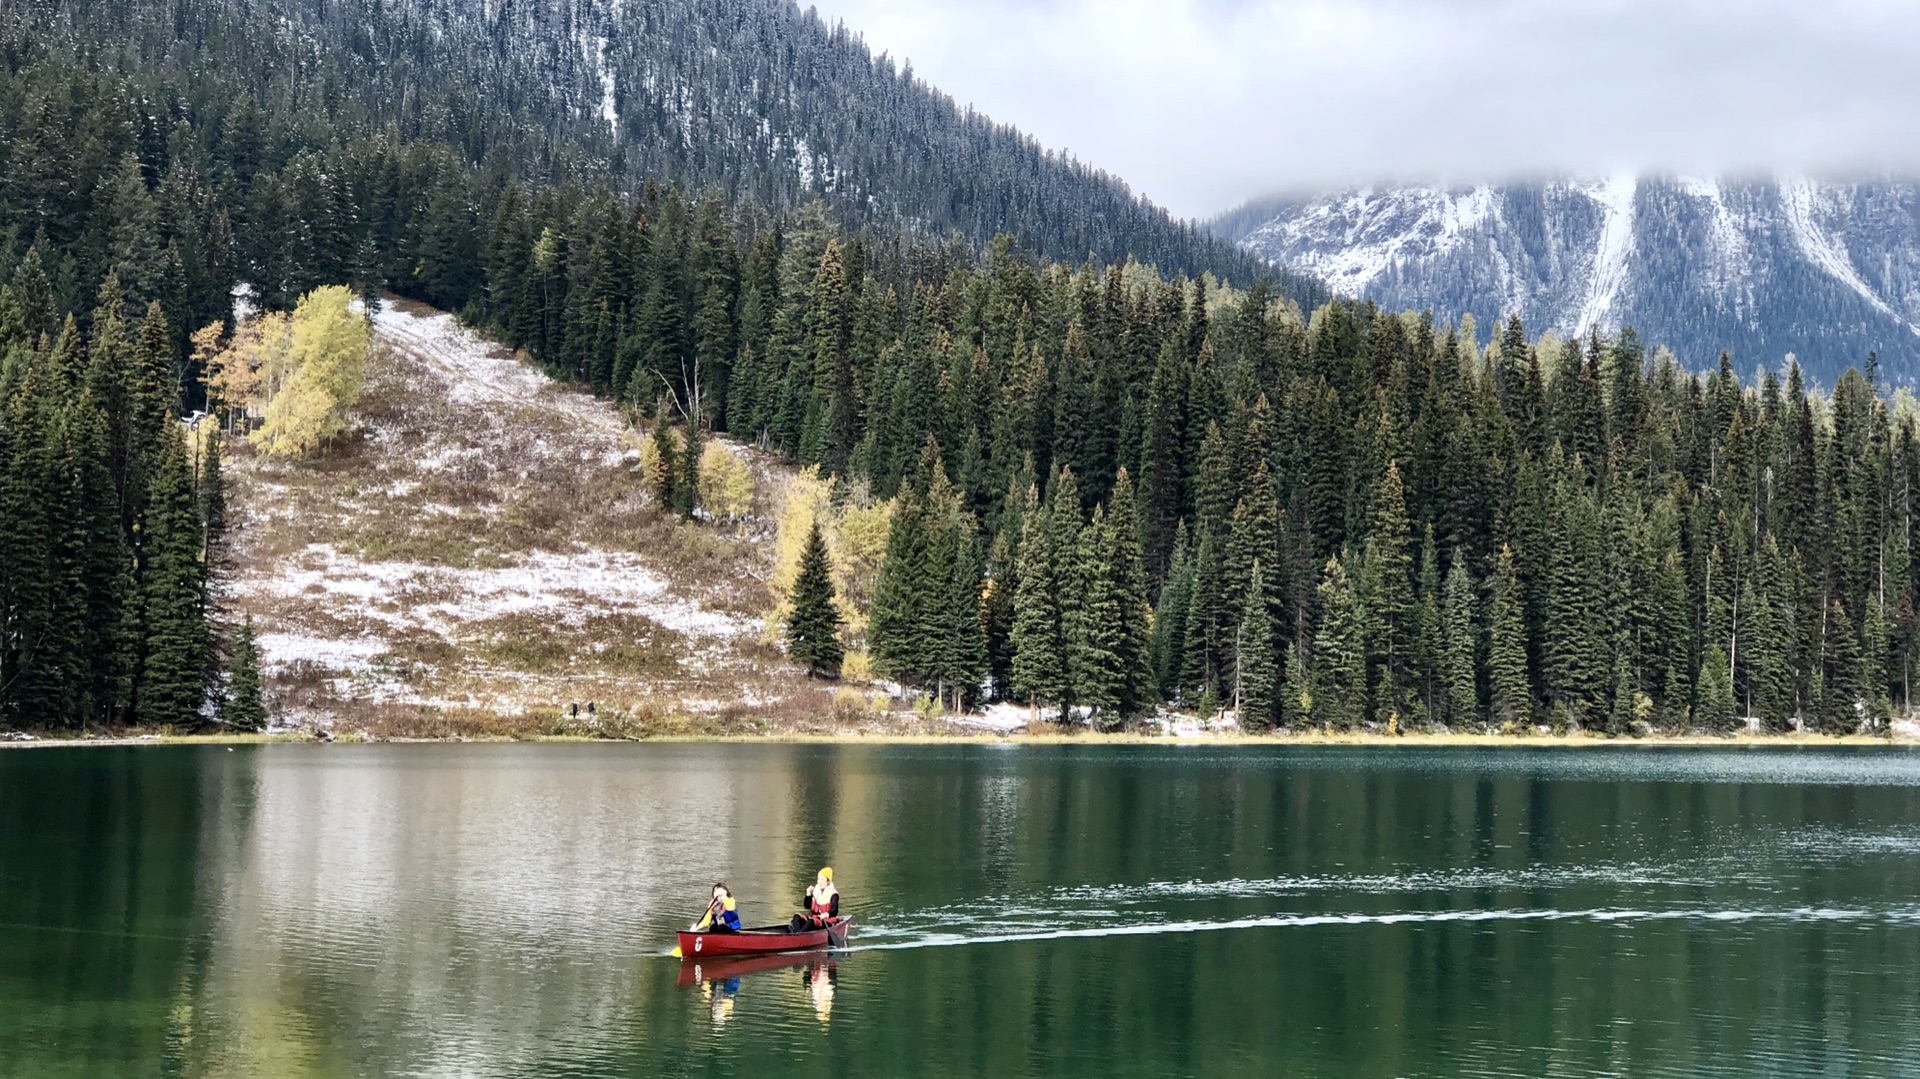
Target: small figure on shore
(590,709)
(575,713)
(721,917)
(821,903)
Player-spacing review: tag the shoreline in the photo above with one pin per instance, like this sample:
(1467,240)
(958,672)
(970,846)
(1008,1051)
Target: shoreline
(1364,739)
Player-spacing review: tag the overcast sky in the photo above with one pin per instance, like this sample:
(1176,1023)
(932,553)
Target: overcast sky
(1201,104)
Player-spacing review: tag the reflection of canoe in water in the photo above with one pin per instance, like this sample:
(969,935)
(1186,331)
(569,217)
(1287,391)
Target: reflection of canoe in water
(722,968)
(765,940)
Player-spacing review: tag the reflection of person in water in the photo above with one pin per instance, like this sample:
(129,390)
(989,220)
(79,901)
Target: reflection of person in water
(821,978)
(720,997)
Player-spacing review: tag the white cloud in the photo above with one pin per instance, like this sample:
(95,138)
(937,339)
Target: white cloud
(1200,104)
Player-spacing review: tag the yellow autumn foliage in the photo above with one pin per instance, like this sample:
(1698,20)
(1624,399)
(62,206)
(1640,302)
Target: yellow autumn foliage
(310,388)
(726,483)
(855,525)
(235,376)
(650,456)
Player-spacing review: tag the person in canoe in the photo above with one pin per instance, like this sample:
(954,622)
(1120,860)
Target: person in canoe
(820,905)
(721,916)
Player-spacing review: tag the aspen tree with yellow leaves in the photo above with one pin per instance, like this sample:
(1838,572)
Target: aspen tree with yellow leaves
(319,378)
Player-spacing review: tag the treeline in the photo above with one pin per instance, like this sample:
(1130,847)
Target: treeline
(112,515)
(1112,489)
(1353,518)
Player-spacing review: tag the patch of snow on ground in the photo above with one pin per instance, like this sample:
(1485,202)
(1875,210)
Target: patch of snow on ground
(569,586)
(1183,725)
(482,373)
(1001,717)
(279,651)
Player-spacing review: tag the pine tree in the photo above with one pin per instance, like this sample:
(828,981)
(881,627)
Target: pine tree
(1163,464)
(1124,568)
(1576,668)
(900,628)
(1769,679)
(924,628)
(832,318)
(717,287)
(667,471)
(1094,643)
(1257,689)
(243,706)
(1253,536)
(1339,653)
(1296,693)
(996,611)
(172,684)
(1840,673)
(1511,699)
(1624,708)
(686,487)
(1207,621)
(1039,643)
(813,629)
(1873,653)
(213,502)
(962,651)
(1427,640)
(1390,568)
(1170,619)
(1461,646)
(32,689)
(1716,709)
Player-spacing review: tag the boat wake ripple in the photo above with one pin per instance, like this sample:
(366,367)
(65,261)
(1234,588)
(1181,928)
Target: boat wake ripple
(1901,916)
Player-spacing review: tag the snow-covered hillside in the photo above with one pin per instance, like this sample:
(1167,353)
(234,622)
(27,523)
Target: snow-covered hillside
(1827,271)
(484,548)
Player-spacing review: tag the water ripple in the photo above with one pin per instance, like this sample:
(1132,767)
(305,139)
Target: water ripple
(1901,916)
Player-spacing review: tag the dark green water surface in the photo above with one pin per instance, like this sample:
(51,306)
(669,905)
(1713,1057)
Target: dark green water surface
(497,910)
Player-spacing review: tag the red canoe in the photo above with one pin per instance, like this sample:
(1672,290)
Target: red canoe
(761,941)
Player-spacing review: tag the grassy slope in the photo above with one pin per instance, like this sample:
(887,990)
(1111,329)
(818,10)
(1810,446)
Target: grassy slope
(481,555)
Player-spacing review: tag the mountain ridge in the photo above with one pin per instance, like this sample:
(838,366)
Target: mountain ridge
(760,100)
(1826,271)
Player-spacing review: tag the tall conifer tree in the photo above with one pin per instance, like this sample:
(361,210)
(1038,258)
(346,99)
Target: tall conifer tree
(813,628)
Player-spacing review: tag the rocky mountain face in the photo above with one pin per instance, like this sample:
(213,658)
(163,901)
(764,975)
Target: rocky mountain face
(1825,271)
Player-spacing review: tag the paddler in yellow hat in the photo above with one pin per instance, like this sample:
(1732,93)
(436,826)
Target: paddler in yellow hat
(821,904)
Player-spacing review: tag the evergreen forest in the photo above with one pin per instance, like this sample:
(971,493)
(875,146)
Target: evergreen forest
(1116,483)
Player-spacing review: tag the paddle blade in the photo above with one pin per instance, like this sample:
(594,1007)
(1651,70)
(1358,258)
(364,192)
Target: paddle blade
(676,951)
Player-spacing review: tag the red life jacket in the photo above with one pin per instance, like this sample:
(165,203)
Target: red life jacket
(821,905)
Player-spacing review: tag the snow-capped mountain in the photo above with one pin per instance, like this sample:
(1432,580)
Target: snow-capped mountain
(1826,271)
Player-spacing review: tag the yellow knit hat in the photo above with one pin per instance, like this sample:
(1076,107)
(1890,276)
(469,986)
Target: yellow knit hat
(827,872)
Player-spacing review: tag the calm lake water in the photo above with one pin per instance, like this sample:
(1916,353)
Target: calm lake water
(494,910)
